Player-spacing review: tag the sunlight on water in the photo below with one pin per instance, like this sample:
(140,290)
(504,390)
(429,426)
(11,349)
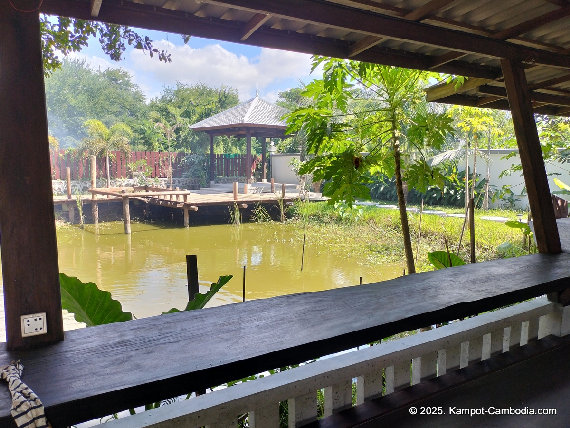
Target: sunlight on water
(146,271)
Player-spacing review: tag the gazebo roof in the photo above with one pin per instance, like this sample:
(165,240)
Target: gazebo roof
(255,113)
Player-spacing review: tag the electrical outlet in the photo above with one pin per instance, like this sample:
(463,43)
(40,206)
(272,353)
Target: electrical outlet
(33,324)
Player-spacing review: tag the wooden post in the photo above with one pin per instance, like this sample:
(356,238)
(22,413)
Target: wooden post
(27,224)
(212,159)
(264,160)
(536,181)
(243,286)
(126,215)
(283,190)
(248,157)
(71,213)
(192,274)
(235,191)
(68,179)
(245,188)
(186,216)
(94,207)
(472,228)
(272,185)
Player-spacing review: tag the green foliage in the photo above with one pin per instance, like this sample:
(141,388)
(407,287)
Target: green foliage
(444,259)
(65,35)
(75,93)
(195,166)
(260,214)
(451,193)
(200,299)
(89,304)
(523,227)
(565,188)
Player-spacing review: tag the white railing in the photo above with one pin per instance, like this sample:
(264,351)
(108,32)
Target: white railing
(377,370)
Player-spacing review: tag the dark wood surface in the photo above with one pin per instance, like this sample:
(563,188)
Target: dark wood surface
(99,370)
(536,376)
(536,181)
(27,225)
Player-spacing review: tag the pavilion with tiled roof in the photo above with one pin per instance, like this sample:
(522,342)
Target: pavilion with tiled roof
(253,118)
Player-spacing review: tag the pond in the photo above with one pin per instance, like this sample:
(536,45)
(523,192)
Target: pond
(146,271)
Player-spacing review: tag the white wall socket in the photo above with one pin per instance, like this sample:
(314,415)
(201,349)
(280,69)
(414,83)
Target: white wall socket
(33,324)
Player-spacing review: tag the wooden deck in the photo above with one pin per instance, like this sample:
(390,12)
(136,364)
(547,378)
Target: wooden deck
(100,370)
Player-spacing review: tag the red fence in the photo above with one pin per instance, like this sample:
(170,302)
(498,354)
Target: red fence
(120,165)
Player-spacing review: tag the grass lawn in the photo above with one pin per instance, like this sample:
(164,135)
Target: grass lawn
(374,235)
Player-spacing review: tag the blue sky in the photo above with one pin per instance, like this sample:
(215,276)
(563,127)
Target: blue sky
(248,69)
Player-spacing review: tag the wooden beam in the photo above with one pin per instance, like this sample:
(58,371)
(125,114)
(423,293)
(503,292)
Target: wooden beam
(95,7)
(533,23)
(248,158)
(27,224)
(539,97)
(418,14)
(446,58)
(315,12)
(550,82)
(253,24)
(436,92)
(536,181)
(138,15)
(427,9)
(363,44)
(212,159)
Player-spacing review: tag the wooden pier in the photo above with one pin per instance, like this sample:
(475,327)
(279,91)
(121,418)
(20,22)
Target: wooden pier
(186,200)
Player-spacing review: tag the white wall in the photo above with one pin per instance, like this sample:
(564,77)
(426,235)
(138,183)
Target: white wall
(281,169)
(515,180)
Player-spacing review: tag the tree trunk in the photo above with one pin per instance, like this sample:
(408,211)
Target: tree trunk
(107,167)
(402,205)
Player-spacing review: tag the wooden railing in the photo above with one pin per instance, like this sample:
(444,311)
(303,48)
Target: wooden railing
(377,370)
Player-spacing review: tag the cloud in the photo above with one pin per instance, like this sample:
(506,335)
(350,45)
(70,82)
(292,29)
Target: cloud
(213,65)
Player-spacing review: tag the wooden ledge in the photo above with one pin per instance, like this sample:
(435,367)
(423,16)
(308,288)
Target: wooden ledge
(101,370)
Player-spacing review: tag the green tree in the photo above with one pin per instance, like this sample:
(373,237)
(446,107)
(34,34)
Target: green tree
(370,119)
(61,35)
(101,140)
(193,104)
(75,93)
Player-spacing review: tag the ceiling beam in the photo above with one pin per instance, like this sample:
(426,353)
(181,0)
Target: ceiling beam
(540,97)
(532,24)
(436,92)
(145,16)
(253,25)
(550,82)
(415,15)
(337,16)
(95,7)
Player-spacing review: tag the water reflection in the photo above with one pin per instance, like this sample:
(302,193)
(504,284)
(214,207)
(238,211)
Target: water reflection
(146,271)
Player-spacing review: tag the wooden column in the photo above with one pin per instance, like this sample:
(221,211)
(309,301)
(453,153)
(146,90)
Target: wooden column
(126,215)
(248,157)
(27,224)
(545,229)
(264,160)
(212,159)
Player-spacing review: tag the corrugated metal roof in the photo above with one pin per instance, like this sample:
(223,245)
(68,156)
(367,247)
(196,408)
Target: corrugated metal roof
(254,112)
(460,37)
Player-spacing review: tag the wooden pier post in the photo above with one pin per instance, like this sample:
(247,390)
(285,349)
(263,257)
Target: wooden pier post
(192,274)
(245,188)
(68,179)
(94,207)
(186,216)
(283,190)
(71,213)
(272,185)
(235,191)
(126,215)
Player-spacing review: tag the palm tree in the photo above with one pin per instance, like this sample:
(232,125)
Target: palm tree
(101,140)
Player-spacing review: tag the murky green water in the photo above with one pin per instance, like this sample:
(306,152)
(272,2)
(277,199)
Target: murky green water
(146,271)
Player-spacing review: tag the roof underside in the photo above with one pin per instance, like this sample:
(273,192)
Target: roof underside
(462,37)
(255,117)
